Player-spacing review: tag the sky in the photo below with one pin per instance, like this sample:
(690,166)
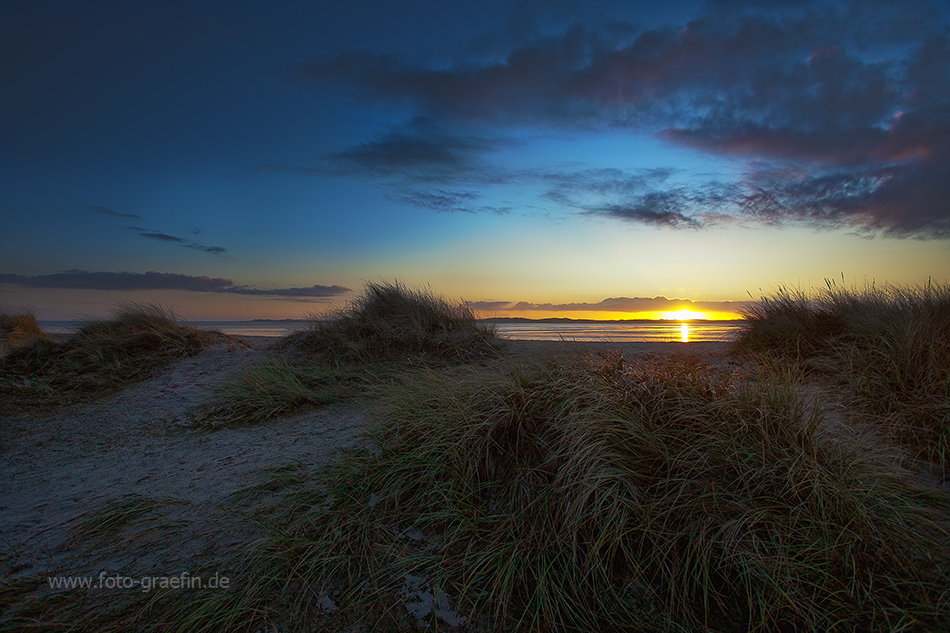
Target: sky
(590,159)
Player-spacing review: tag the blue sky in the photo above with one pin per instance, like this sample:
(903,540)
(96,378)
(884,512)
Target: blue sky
(587,159)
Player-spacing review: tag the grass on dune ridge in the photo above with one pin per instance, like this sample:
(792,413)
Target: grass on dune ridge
(339,356)
(888,348)
(19,327)
(102,356)
(388,320)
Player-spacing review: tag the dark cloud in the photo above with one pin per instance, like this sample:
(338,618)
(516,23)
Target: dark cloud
(155,235)
(615,304)
(214,250)
(533,82)
(642,197)
(657,209)
(755,67)
(419,151)
(82,280)
(898,200)
(308,292)
(444,201)
(854,97)
(126,281)
(115,214)
(164,237)
(437,200)
(488,306)
(413,160)
(570,187)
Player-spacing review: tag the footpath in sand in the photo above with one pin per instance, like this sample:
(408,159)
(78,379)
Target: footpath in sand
(129,487)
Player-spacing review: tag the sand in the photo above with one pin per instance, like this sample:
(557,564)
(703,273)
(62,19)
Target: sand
(61,471)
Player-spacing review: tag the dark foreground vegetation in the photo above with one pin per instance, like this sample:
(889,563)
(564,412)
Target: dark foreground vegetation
(886,349)
(590,494)
(100,358)
(597,492)
(18,329)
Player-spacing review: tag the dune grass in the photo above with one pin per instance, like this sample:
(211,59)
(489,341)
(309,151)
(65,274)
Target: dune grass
(588,493)
(277,388)
(19,328)
(101,357)
(391,321)
(374,338)
(888,347)
(597,495)
(105,523)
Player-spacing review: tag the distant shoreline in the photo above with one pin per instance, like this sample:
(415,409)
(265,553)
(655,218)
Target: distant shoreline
(524,320)
(509,328)
(569,320)
(78,322)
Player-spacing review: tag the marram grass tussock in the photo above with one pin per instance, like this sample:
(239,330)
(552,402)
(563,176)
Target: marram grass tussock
(388,321)
(595,494)
(101,357)
(886,348)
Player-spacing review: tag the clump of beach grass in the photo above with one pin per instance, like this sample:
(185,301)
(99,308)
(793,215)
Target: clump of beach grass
(600,495)
(104,524)
(276,388)
(889,347)
(389,320)
(101,357)
(19,328)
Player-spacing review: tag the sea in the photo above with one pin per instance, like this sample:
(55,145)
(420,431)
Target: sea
(580,331)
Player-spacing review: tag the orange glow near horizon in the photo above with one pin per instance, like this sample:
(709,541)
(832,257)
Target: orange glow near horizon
(612,316)
(683,315)
(687,315)
(70,304)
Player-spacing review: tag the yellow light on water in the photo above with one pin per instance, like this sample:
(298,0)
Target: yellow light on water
(684,331)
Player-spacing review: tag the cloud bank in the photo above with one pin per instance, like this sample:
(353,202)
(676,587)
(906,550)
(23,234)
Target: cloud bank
(838,113)
(613,304)
(151,280)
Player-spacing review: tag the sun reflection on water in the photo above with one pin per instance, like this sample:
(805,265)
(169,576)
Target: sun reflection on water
(684,332)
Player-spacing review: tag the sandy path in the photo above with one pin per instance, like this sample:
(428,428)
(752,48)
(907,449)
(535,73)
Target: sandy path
(135,451)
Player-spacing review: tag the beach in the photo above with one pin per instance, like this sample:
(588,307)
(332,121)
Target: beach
(143,486)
